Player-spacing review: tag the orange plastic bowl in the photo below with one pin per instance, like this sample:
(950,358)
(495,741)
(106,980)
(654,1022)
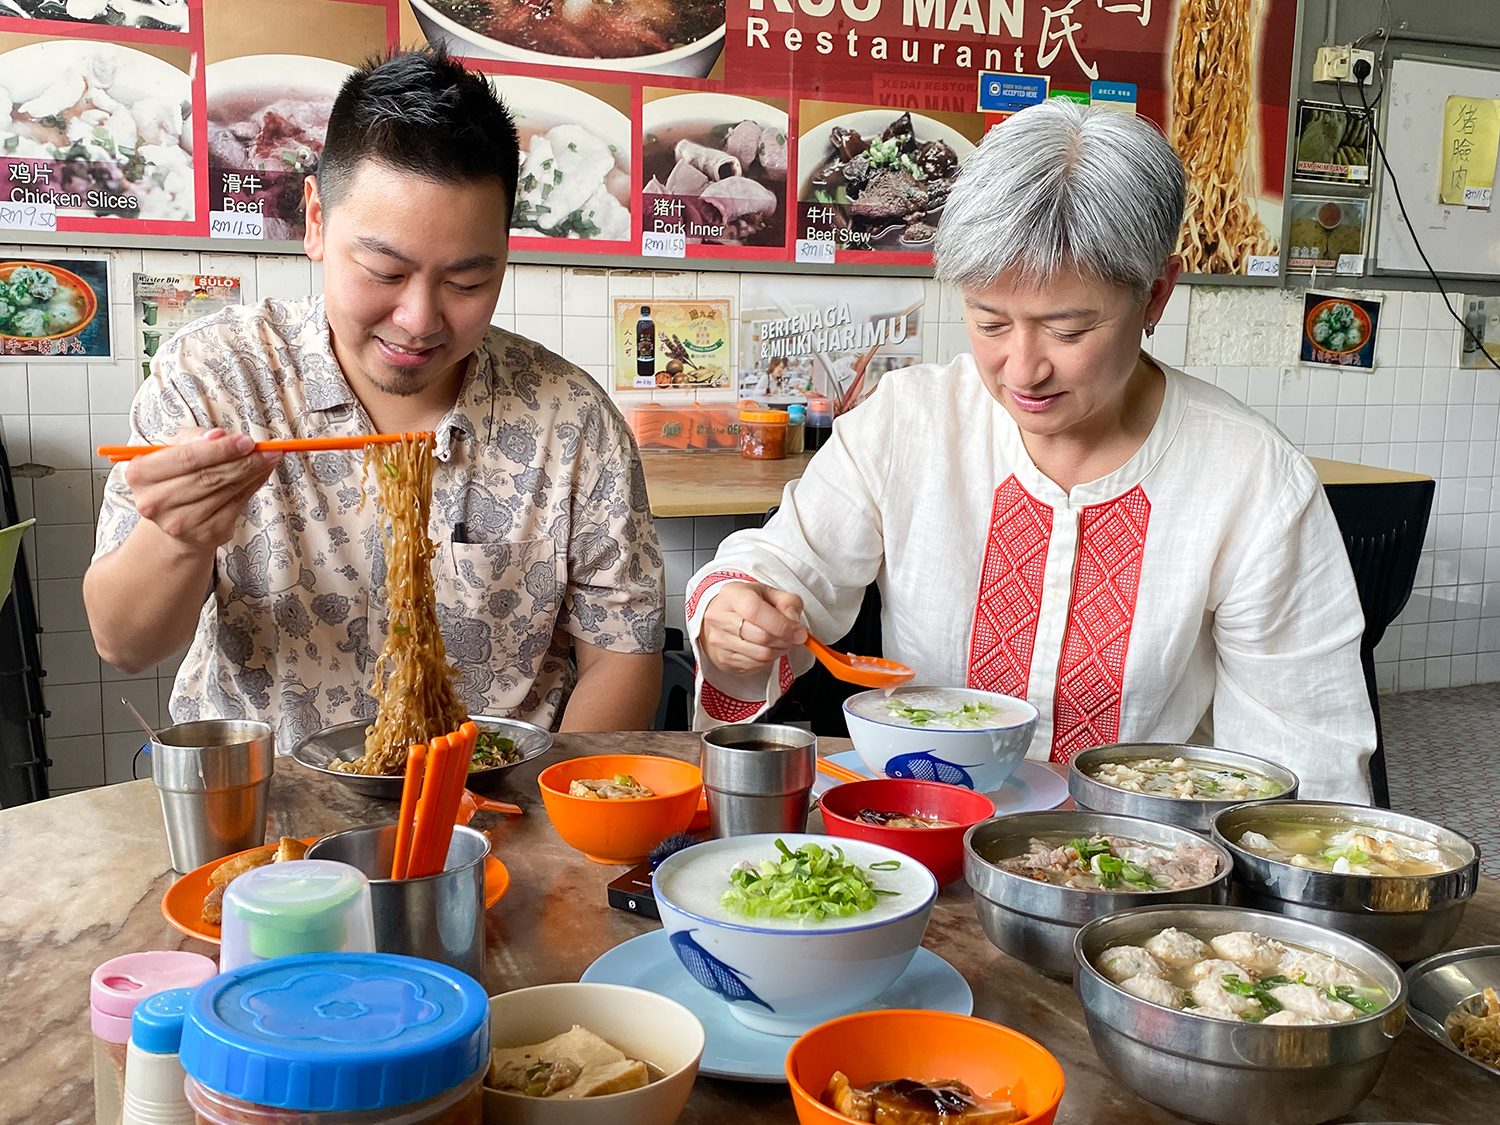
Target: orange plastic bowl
(621,831)
(880,1046)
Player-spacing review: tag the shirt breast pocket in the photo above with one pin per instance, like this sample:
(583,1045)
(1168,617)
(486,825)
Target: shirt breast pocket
(498,605)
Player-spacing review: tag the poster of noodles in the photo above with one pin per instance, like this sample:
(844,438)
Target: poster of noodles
(55,308)
(802,336)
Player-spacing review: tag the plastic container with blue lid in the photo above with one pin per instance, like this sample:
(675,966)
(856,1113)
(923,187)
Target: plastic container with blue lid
(338,1039)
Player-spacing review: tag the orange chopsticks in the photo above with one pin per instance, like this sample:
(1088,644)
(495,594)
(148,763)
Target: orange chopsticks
(283,445)
(411,789)
(433,789)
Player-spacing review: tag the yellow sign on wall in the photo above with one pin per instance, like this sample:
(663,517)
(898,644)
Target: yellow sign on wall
(1471,142)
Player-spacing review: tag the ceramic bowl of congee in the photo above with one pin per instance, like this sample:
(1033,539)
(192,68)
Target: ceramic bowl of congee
(959,736)
(781,966)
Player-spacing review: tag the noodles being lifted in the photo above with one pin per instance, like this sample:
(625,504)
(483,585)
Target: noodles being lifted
(413,682)
(1213,82)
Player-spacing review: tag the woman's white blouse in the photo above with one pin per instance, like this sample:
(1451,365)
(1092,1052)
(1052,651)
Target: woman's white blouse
(1201,591)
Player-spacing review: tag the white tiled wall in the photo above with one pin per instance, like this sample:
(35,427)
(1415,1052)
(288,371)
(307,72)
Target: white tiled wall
(1416,411)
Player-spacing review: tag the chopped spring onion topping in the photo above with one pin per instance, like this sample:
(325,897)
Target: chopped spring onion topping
(811,884)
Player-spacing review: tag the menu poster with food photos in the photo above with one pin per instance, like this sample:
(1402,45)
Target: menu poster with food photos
(1327,233)
(1338,330)
(801,336)
(165,303)
(682,344)
(816,132)
(55,308)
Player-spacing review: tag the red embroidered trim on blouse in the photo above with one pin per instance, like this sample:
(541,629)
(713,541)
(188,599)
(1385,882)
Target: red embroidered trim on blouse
(1010,591)
(1106,580)
(713,580)
(726,708)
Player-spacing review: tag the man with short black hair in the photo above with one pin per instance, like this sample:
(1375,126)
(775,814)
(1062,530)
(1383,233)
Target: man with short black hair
(546,544)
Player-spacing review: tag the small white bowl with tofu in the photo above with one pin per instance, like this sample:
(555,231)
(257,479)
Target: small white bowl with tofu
(581,1054)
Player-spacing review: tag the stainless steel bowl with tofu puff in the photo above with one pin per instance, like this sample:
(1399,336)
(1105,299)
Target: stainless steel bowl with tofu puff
(1448,984)
(1393,880)
(1174,783)
(1225,1069)
(1033,919)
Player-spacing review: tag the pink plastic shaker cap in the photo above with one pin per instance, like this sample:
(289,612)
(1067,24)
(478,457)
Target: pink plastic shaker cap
(118,985)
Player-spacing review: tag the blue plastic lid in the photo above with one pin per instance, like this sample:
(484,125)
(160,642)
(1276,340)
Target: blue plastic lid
(337,1031)
(797,411)
(156,1023)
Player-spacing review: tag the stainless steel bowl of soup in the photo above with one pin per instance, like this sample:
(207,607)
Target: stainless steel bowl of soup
(1038,877)
(1174,783)
(1236,1016)
(1395,881)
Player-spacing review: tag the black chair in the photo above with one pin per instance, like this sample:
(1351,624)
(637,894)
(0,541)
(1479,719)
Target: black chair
(23,754)
(1383,526)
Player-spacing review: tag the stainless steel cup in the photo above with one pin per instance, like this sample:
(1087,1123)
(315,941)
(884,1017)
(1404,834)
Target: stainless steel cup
(758,778)
(439,917)
(213,778)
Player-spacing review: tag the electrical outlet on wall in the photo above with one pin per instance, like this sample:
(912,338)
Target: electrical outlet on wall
(1336,64)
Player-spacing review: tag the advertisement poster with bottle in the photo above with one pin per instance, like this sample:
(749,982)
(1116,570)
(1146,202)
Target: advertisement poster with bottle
(682,344)
(166,302)
(801,337)
(1482,319)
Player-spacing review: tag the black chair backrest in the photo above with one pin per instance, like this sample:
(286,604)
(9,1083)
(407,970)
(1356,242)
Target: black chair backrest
(1383,526)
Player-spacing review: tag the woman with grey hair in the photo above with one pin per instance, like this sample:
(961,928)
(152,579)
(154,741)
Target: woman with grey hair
(1057,516)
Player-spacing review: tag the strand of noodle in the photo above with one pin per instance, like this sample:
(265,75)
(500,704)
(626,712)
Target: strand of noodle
(413,682)
(1212,81)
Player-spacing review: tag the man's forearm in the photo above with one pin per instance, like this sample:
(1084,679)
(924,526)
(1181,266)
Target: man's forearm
(615,691)
(144,599)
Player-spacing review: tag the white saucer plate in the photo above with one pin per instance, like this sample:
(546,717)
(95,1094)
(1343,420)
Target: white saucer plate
(732,1050)
(1032,788)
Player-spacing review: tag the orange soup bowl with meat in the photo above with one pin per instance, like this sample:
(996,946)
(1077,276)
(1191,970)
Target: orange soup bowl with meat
(899,1060)
(615,808)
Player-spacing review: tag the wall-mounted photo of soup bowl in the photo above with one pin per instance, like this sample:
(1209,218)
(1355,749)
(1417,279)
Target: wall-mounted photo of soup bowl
(270,113)
(1338,326)
(888,217)
(727,156)
(959,736)
(584,142)
(41,301)
(783,975)
(684,37)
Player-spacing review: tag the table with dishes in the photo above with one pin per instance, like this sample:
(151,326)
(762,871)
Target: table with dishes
(83,879)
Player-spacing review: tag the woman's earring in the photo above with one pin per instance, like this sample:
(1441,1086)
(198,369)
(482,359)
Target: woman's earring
(1151,329)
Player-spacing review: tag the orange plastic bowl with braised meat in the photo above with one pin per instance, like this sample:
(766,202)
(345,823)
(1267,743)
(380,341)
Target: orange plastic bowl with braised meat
(621,831)
(991,1060)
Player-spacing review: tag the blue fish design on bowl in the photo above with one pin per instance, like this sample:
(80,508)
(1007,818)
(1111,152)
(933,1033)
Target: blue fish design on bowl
(719,978)
(927,766)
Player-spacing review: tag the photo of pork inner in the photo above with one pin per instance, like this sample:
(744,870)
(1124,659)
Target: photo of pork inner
(730,176)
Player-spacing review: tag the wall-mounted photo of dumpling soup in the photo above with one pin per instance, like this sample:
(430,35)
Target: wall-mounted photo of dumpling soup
(575,161)
(724,159)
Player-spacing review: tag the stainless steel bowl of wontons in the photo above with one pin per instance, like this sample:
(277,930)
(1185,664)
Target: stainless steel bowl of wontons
(1038,877)
(1393,880)
(1455,998)
(1236,1016)
(346,742)
(1174,784)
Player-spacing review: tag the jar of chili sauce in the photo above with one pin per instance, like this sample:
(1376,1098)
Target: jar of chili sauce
(763,434)
(338,1039)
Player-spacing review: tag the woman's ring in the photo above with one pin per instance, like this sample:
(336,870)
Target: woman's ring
(741,631)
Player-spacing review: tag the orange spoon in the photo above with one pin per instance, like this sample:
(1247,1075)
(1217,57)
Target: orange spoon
(470,803)
(867,671)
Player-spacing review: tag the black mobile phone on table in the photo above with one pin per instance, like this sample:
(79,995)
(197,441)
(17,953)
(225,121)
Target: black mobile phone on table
(632,892)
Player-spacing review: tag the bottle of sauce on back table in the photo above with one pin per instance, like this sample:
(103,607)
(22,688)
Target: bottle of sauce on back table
(645,345)
(819,426)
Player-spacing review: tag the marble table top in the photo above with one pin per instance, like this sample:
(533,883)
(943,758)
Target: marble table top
(82,878)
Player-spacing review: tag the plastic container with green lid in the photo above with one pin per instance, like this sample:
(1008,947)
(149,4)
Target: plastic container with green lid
(338,1039)
(301,906)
